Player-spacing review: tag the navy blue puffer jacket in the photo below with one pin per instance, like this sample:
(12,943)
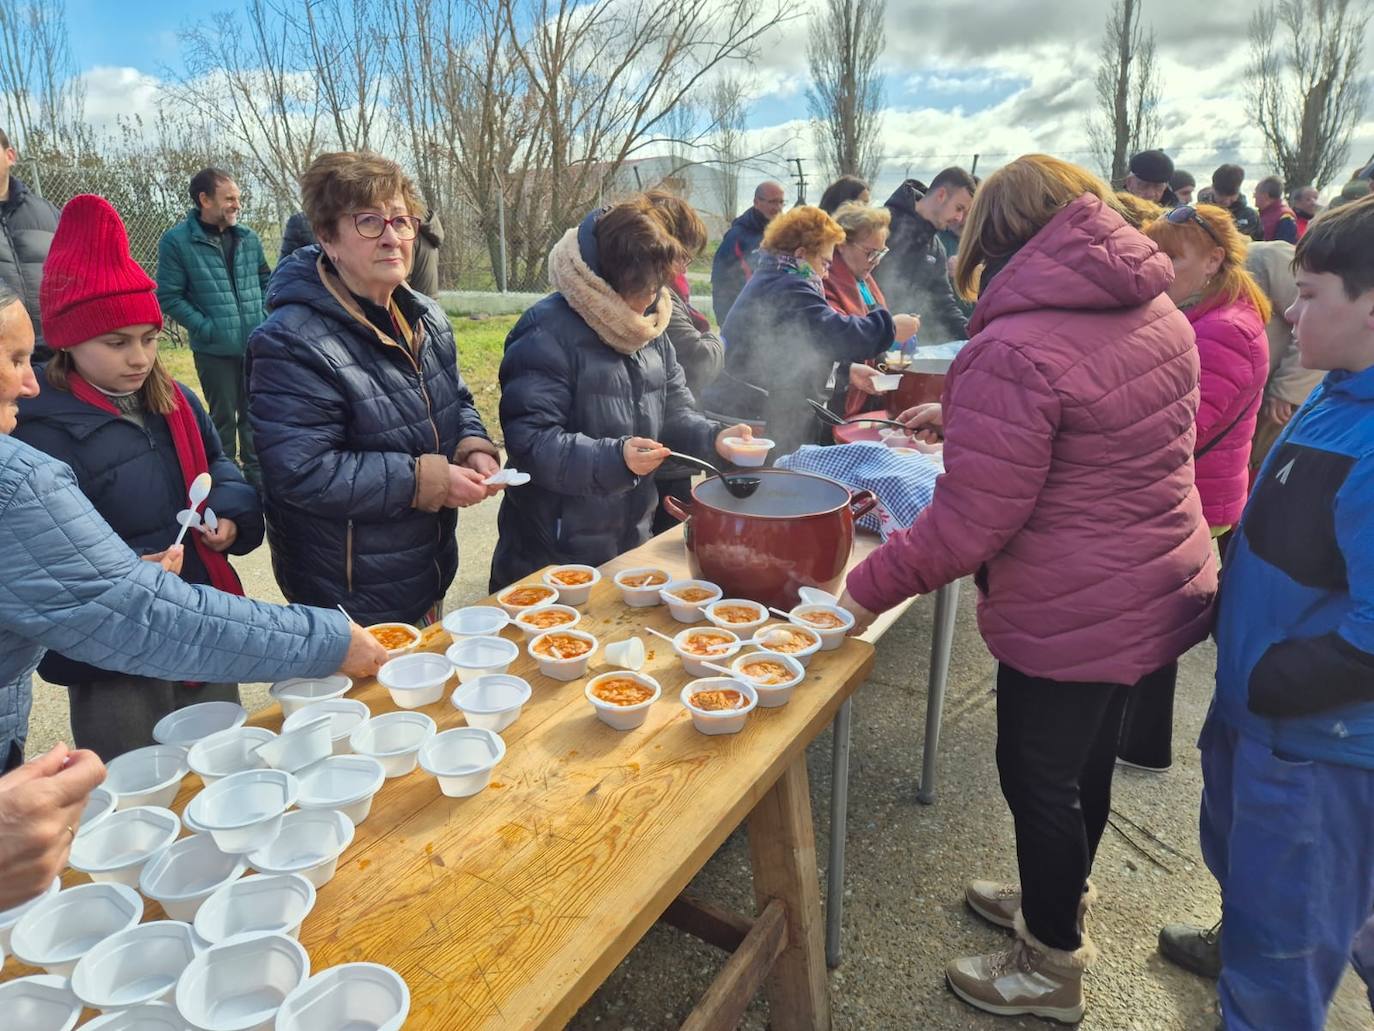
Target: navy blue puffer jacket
(344,418)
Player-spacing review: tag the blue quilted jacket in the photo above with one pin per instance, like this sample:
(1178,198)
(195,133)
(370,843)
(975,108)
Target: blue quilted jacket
(72,585)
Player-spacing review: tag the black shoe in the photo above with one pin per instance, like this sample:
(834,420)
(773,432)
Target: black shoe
(1195,949)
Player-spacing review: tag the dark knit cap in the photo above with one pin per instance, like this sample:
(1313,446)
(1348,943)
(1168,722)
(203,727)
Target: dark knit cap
(1226,179)
(1181,180)
(1152,166)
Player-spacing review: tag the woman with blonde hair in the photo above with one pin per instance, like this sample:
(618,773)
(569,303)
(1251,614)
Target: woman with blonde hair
(1068,426)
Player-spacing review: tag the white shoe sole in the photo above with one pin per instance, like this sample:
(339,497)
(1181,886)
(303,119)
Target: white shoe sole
(1059,1014)
(990,915)
(1143,769)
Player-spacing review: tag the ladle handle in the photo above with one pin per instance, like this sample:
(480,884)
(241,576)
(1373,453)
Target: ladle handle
(697,462)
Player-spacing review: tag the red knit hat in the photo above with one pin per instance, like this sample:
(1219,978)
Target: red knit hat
(91,284)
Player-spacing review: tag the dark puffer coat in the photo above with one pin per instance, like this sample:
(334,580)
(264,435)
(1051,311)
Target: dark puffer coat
(194,285)
(733,262)
(914,276)
(27,223)
(355,435)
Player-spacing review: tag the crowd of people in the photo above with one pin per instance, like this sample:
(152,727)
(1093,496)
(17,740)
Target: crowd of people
(1154,393)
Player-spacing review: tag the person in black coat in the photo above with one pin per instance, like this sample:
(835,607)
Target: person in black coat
(296,234)
(732,265)
(593,397)
(367,434)
(27,223)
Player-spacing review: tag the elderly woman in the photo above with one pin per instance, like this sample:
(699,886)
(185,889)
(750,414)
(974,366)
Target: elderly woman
(367,434)
(784,340)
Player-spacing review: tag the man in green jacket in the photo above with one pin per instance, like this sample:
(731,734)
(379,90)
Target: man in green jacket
(211,278)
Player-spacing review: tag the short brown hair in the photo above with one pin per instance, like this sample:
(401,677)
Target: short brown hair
(804,228)
(345,181)
(1341,241)
(680,219)
(636,251)
(1233,279)
(858,219)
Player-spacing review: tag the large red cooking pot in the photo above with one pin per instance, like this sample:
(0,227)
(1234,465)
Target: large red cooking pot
(916,388)
(796,530)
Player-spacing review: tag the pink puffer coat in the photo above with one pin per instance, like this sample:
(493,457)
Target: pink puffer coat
(1068,449)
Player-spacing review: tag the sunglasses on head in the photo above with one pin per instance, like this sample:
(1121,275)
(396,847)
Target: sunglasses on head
(1185,213)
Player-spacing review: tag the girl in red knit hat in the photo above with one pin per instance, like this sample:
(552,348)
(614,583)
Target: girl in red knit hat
(136,439)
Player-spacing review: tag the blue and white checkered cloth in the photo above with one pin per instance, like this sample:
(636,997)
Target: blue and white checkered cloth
(904,484)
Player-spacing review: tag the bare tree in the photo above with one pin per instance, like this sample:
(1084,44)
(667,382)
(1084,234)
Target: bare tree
(44,102)
(1127,90)
(726,109)
(1306,84)
(846,93)
(346,44)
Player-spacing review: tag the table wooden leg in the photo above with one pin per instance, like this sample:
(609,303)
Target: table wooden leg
(782,845)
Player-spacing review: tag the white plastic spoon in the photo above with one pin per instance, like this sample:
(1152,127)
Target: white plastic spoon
(200,490)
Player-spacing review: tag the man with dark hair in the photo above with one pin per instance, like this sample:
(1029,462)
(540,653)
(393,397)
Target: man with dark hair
(1305,206)
(211,278)
(27,223)
(1226,183)
(1181,187)
(733,263)
(914,277)
(1149,175)
(1277,221)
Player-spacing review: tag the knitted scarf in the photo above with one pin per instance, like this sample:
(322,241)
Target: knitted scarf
(618,325)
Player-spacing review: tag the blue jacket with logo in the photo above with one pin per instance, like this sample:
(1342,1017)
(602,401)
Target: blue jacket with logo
(1295,632)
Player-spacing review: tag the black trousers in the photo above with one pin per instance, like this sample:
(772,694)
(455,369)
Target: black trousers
(1147,727)
(226,392)
(1056,751)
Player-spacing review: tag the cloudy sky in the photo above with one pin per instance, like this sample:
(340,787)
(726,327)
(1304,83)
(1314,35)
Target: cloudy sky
(990,77)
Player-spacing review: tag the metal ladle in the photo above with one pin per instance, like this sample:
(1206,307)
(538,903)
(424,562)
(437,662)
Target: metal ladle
(826,415)
(739,486)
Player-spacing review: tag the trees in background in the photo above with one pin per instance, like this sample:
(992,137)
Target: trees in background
(1127,86)
(845,96)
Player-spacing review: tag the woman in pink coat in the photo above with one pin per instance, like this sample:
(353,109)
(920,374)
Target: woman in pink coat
(1068,493)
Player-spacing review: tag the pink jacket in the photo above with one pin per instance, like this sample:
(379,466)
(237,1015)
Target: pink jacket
(1235,365)
(1068,449)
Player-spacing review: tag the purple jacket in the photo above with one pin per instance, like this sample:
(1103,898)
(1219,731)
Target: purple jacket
(1068,449)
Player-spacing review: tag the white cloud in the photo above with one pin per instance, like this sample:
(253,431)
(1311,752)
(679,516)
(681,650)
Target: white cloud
(119,93)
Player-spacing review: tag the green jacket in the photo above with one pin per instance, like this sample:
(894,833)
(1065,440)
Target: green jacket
(194,286)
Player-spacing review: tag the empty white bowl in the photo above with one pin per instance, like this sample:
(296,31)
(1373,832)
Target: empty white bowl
(531,622)
(347,783)
(188,873)
(724,721)
(475,657)
(188,725)
(886,381)
(146,776)
(718,611)
(151,1016)
(298,692)
(136,966)
(462,759)
(344,715)
(243,811)
(771,637)
(308,742)
(393,739)
(11,916)
(524,596)
(117,848)
(476,621)
(64,927)
(239,985)
(100,803)
(749,453)
(419,678)
(691,662)
(622,717)
(688,611)
(256,905)
(572,594)
(492,702)
(771,696)
(230,751)
(410,631)
(357,996)
(562,669)
(831,637)
(310,844)
(42,1002)
(645,595)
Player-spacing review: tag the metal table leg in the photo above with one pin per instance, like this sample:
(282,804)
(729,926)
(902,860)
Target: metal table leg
(839,806)
(941,643)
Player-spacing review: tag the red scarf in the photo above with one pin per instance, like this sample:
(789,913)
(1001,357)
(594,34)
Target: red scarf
(190,449)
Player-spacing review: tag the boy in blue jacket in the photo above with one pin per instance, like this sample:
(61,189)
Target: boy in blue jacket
(1288,747)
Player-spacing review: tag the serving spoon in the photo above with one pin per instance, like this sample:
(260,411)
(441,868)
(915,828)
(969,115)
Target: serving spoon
(739,486)
(826,415)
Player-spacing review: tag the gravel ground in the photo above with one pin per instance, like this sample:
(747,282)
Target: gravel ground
(904,916)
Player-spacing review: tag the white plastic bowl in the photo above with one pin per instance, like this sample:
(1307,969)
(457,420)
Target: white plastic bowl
(119,847)
(295,749)
(147,776)
(256,905)
(749,453)
(803,656)
(152,1016)
(641,597)
(693,663)
(405,649)
(240,984)
(298,692)
(771,696)
(188,873)
(243,812)
(42,1002)
(417,679)
(716,722)
(462,759)
(188,725)
(886,381)
(136,966)
(572,594)
(228,752)
(476,621)
(547,596)
(563,669)
(393,739)
(310,844)
(688,611)
(744,629)
(475,657)
(11,916)
(344,714)
(492,702)
(64,927)
(357,996)
(889,434)
(622,717)
(528,629)
(830,639)
(347,783)
(100,803)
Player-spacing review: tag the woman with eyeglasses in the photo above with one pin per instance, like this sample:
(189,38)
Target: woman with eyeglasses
(368,436)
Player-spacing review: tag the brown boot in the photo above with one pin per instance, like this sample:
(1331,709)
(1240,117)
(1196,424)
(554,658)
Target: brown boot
(1029,979)
(997,902)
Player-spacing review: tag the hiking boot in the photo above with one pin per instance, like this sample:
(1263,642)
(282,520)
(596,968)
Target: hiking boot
(997,902)
(1029,978)
(1195,949)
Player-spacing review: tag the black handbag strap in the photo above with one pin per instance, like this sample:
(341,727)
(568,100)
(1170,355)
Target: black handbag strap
(1222,435)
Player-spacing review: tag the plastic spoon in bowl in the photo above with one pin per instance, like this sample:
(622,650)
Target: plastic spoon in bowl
(826,415)
(660,633)
(739,486)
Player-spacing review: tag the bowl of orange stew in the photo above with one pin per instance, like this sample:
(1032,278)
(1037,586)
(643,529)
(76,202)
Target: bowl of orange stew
(622,699)
(687,599)
(531,622)
(705,644)
(563,654)
(797,641)
(829,621)
(397,638)
(719,705)
(524,596)
(737,614)
(639,587)
(573,583)
(773,675)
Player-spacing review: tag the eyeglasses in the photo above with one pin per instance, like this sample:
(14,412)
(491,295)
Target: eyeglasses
(1185,213)
(371,226)
(874,254)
